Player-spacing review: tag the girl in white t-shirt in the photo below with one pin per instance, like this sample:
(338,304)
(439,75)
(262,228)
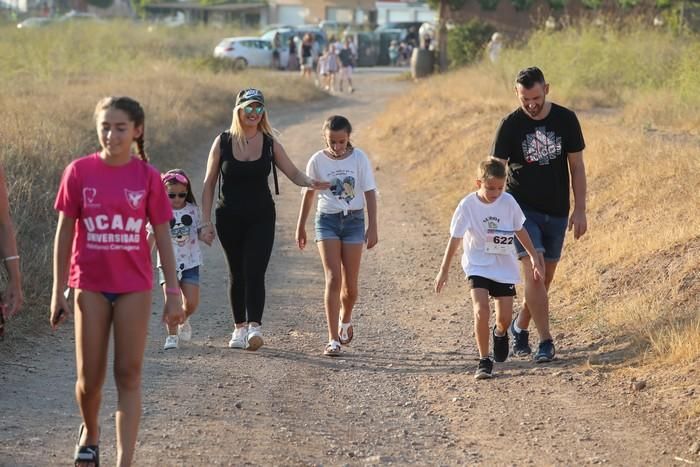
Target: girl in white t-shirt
(486,222)
(185,227)
(340,224)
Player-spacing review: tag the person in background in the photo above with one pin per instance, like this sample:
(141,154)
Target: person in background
(494,47)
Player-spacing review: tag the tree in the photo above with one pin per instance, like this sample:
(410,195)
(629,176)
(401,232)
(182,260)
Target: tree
(442,6)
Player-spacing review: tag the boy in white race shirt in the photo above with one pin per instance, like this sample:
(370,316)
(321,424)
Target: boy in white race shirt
(486,222)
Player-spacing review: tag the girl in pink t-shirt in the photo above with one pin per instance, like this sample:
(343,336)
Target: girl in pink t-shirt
(100,250)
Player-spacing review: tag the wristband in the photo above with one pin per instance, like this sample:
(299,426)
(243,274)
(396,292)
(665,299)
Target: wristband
(172,291)
(10,258)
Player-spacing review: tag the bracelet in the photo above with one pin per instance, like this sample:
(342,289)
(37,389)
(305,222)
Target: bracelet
(10,258)
(205,224)
(172,291)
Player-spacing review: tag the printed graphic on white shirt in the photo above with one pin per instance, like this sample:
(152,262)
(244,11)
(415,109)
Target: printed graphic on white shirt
(541,146)
(180,231)
(343,185)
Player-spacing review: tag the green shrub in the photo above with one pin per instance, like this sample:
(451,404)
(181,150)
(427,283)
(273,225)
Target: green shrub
(557,4)
(522,5)
(488,5)
(465,43)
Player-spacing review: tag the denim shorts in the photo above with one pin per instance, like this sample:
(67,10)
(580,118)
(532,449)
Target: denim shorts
(188,276)
(546,232)
(348,228)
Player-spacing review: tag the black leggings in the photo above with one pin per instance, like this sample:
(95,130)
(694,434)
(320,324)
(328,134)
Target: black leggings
(247,240)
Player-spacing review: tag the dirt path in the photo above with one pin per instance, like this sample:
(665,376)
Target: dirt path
(403,393)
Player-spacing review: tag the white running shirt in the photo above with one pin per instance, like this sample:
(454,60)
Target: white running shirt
(488,230)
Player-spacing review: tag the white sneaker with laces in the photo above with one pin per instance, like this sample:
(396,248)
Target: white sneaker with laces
(170,342)
(184,330)
(239,339)
(255,339)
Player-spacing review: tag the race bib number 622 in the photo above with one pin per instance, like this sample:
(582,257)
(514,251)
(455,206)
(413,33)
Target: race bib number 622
(499,242)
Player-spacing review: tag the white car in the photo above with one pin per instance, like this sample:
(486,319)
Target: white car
(245,51)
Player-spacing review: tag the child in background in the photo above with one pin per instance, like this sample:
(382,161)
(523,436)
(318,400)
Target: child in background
(394,53)
(185,230)
(340,224)
(322,71)
(487,220)
(104,202)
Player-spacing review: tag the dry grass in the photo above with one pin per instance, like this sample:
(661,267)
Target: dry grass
(45,123)
(635,275)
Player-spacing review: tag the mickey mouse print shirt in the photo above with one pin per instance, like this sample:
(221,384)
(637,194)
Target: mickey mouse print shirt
(184,232)
(350,178)
(111,206)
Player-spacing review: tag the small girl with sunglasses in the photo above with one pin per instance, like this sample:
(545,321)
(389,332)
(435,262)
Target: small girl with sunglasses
(185,229)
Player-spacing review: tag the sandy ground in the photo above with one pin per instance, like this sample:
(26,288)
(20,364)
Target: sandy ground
(402,393)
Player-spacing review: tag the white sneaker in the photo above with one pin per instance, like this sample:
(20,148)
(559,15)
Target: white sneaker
(239,339)
(184,330)
(255,339)
(170,342)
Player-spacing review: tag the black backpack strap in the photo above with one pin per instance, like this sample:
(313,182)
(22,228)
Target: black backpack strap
(224,145)
(271,152)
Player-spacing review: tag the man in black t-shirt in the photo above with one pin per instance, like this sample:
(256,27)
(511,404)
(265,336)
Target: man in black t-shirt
(543,145)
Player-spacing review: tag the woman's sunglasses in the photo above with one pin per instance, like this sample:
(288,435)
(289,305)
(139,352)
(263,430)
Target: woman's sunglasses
(179,195)
(249,109)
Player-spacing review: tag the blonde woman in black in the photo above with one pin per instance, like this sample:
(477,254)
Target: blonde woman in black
(242,158)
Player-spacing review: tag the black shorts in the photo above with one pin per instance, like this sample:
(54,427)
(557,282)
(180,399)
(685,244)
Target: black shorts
(496,289)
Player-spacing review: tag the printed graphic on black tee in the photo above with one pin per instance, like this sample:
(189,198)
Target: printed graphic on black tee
(541,146)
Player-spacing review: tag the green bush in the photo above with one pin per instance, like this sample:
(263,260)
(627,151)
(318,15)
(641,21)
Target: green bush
(488,5)
(557,4)
(522,5)
(592,4)
(465,43)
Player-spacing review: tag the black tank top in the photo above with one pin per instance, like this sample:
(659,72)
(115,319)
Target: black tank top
(306,50)
(244,184)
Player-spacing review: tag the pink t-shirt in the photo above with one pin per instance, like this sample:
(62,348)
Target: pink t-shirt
(111,206)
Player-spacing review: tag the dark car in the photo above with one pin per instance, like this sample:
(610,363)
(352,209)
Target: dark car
(409,30)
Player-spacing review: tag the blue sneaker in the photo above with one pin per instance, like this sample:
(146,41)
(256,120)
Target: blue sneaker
(545,353)
(521,345)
